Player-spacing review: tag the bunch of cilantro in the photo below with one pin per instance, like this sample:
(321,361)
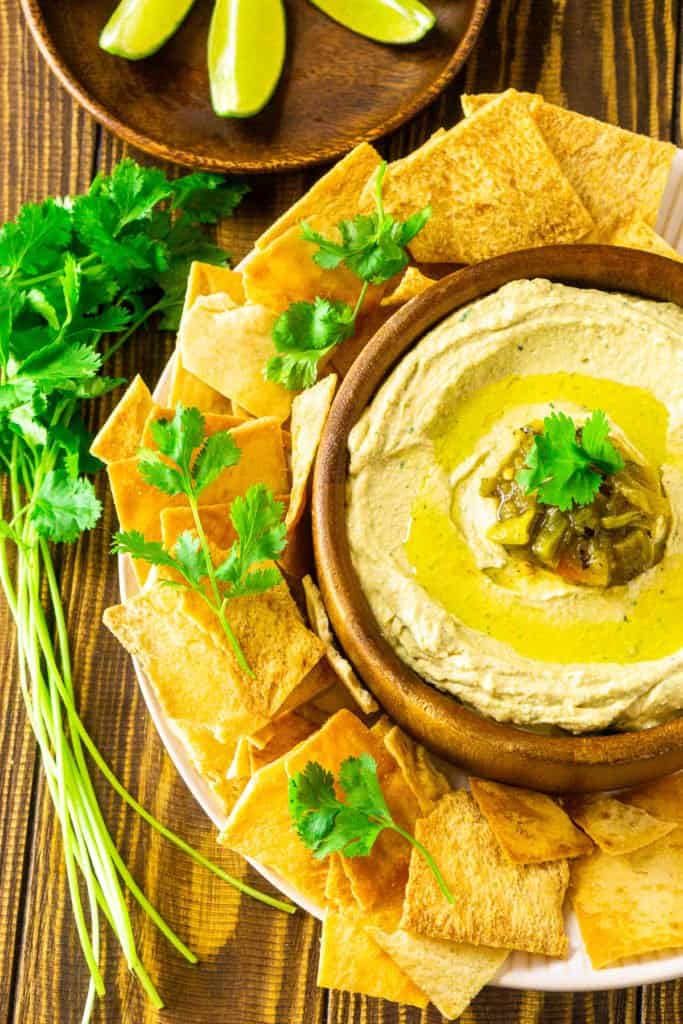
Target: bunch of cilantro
(77,277)
(373,247)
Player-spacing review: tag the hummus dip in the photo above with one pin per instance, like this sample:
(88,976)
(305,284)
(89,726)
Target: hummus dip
(522,646)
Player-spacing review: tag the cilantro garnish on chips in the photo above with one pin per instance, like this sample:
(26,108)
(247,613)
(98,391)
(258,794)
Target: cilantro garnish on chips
(373,247)
(327,825)
(186,463)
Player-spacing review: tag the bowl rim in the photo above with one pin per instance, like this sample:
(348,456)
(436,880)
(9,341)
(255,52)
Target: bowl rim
(33,12)
(607,268)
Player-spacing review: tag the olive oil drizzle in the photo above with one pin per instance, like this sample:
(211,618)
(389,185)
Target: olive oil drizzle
(639,624)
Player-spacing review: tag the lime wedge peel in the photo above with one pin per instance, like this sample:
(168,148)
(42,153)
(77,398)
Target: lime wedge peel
(246,53)
(385,21)
(138,28)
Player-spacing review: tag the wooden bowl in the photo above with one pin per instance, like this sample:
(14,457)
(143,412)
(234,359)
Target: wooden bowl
(479,745)
(337,88)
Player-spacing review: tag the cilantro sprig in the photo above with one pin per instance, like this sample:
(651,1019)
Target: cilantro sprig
(78,276)
(328,825)
(186,462)
(373,247)
(565,465)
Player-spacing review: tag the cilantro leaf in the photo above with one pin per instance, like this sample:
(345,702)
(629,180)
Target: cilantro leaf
(132,542)
(190,557)
(64,507)
(566,466)
(303,335)
(134,190)
(326,824)
(159,474)
(372,245)
(15,394)
(594,440)
(208,197)
(218,452)
(178,438)
(258,521)
(58,364)
(36,239)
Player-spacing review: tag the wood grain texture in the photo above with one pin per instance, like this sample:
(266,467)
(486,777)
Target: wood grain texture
(609,58)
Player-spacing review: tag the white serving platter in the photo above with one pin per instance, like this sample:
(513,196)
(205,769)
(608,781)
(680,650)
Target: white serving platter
(521,970)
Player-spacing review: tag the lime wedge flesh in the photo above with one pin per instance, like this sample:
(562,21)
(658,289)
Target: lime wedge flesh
(246,53)
(385,21)
(138,28)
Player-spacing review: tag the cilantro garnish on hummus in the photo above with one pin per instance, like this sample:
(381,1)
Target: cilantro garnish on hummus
(566,465)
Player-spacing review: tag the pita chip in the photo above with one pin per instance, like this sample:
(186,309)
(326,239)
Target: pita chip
(351,961)
(287,732)
(260,827)
(616,827)
(493,184)
(413,283)
(185,653)
(636,234)
(283,673)
(320,624)
(530,827)
(630,904)
(120,436)
(662,798)
(227,346)
(619,175)
(192,392)
(209,279)
(309,415)
(333,198)
(284,272)
(497,903)
(450,973)
(204,279)
(338,893)
(211,757)
(426,782)
(240,766)
(215,520)
(194,676)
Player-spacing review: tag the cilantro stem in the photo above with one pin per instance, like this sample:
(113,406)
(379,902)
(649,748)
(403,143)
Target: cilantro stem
(218,604)
(124,793)
(131,329)
(425,853)
(360,300)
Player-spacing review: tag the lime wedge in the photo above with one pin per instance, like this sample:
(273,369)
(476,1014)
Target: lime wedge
(138,28)
(246,54)
(385,21)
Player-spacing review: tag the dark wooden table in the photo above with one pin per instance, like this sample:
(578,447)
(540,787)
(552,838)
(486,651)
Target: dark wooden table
(616,59)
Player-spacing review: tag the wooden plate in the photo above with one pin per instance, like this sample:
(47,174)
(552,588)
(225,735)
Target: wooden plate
(337,88)
(480,745)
